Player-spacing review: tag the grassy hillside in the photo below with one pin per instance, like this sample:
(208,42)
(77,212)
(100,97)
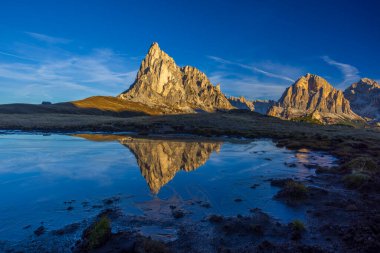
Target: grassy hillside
(113,104)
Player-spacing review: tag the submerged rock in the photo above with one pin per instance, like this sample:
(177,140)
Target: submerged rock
(39,231)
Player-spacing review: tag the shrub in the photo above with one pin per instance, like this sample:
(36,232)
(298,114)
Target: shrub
(361,164)
(99,233)
(296,190)
(297,228)
(355,180)
(298,225)
(308,119)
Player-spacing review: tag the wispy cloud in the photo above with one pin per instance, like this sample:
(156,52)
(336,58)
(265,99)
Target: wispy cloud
(263,80)
(252,68)
(61,76)
(47,38)
(15,56)
(350,73)
(236,84)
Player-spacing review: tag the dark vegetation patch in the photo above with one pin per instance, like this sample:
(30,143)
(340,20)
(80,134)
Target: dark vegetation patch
(297,228)
(292,190)
(96,235)
(355,180)
(308,119)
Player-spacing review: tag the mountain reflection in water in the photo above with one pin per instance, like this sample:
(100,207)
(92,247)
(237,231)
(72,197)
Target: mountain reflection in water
(160,160)
(61,179)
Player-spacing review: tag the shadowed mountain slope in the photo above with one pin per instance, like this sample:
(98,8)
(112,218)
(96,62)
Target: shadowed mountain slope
(364,97)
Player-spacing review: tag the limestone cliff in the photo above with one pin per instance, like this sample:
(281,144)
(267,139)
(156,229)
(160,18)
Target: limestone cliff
(241,103)
(364,97)
(160,83)
(312,96)
(160,160)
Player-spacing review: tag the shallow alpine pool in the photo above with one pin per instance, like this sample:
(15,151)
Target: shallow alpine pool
(56,180)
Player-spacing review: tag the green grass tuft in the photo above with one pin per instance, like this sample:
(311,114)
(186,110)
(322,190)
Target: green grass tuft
(296,189)
(307,119)
(298,225)
(99,233)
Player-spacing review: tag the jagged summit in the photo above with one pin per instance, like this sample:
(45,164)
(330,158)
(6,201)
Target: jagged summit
(161,83)
(313,96)
(364,97)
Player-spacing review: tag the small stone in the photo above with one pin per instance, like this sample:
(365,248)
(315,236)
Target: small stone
(178,214)
(39,231)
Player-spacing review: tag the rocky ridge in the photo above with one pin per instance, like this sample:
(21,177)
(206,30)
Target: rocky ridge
(313,97)
(241,103)
(262,106)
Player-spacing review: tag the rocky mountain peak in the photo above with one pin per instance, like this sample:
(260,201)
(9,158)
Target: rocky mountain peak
(155,53)
(364,97)
(312,82)
(313,95)
(367,83)
(161,83)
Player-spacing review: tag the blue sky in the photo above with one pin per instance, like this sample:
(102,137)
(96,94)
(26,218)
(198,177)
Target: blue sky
(66,50)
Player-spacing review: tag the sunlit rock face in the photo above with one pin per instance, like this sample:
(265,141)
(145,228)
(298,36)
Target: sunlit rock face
(161,83)
(241,103)
(364,97)
(314,97)
(160,160)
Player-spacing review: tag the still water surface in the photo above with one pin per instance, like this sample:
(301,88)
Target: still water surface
(57,180)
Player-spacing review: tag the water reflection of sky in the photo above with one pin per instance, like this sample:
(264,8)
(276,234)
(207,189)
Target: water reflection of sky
(39,173)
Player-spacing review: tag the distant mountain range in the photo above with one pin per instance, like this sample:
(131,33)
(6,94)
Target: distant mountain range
(162,87)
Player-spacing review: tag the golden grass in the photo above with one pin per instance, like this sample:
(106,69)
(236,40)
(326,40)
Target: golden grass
(114,104)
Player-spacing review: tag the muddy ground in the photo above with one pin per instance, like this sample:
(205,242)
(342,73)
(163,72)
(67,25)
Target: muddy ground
(343,203)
